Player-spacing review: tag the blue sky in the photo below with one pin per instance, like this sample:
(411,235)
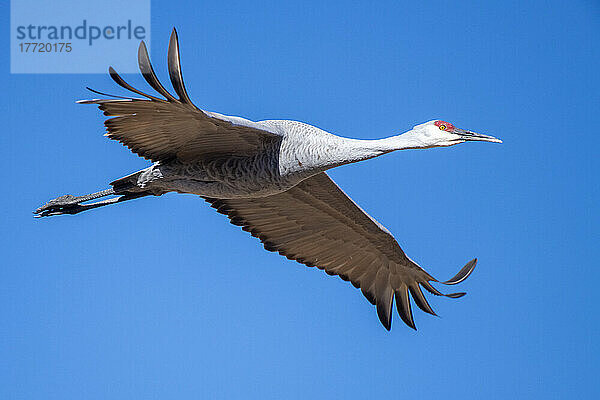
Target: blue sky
(162,298)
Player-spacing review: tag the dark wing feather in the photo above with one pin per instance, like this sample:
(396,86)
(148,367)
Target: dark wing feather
(162,129)
(317,224)
(175,69)
(148,73)
(121,82)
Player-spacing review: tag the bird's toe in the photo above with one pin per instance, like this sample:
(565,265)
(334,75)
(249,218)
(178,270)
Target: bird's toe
(60,205)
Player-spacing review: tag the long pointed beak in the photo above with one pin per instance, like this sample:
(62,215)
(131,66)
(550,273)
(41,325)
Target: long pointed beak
(472,136)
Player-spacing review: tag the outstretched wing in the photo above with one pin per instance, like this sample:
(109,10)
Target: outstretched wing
(160,129)
(317,224)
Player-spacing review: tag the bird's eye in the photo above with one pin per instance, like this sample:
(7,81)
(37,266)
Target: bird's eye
(443,127)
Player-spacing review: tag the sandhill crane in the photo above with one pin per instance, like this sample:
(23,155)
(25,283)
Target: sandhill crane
(269,178)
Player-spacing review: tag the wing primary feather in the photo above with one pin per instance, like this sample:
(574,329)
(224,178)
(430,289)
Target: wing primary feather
(149,74)
(462,274)
(175,69)
(384,298)
(433,290)
(117,78)
(384,312)
(106,94)
(455,295)
(403,306)
(420,299)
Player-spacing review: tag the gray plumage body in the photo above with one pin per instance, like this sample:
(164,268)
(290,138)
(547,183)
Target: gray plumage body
(269,178)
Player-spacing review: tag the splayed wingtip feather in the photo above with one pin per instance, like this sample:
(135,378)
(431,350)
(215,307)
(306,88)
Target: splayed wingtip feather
(462,274)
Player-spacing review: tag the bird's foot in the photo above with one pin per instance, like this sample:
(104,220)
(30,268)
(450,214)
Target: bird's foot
(67,204)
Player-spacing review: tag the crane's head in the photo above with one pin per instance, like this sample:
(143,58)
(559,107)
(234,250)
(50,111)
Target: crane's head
(438,133)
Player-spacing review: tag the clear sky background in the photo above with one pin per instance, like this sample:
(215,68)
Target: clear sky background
(162,298)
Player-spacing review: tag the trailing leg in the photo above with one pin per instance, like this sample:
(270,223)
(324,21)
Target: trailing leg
(69,204)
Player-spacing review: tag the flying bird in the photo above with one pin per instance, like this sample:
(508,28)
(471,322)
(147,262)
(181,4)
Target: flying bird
(269,177)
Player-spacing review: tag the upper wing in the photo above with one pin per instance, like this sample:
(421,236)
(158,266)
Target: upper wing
(317,224)
(160,129)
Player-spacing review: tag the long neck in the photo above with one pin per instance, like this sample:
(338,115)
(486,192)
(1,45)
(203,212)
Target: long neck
(329,151)
(408,140)
(359,150)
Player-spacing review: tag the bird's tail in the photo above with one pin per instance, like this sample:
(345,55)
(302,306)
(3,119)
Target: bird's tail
(124,189)
(127,184)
